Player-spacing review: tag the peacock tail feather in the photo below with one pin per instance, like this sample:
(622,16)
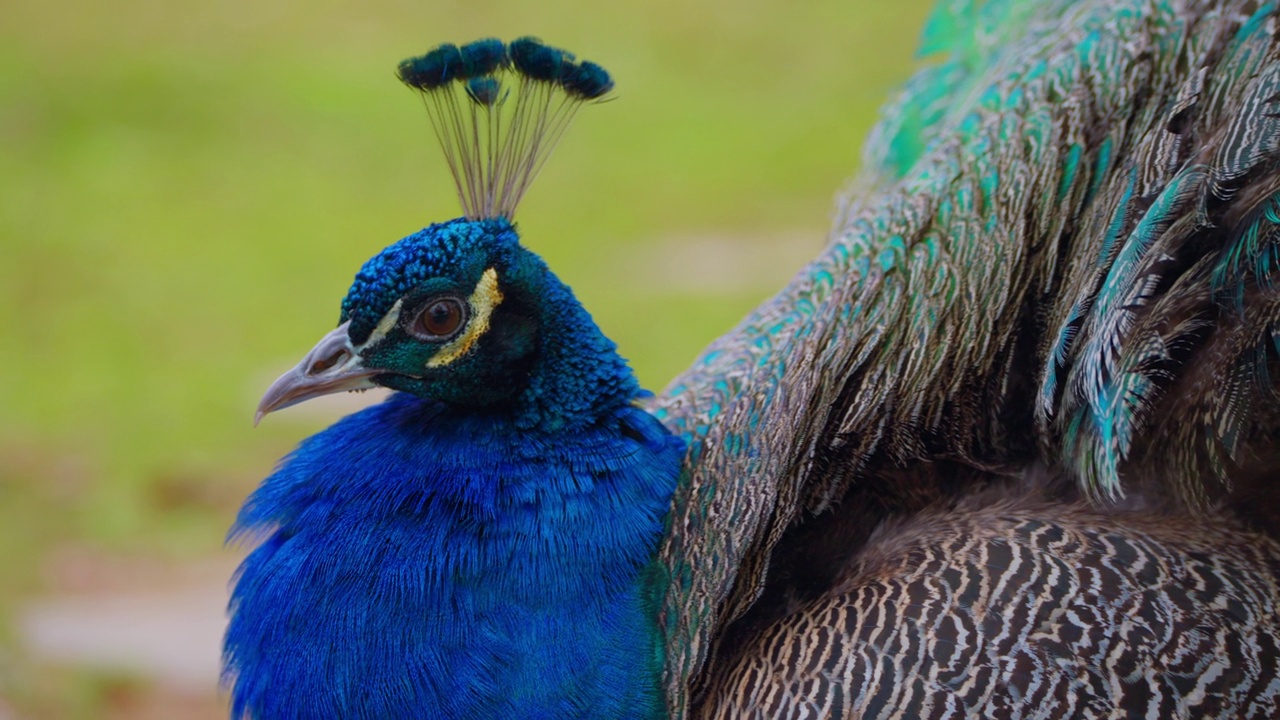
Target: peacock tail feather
(1061,245)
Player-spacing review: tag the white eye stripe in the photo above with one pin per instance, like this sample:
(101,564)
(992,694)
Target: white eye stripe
(384,326)
(482,302)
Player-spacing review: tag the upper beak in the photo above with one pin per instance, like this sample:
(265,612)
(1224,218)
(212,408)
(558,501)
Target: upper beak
(333,365)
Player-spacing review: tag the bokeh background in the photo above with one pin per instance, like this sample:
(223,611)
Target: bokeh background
(186,190)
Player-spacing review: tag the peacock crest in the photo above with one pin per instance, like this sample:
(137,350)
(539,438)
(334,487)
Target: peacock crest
(498,110)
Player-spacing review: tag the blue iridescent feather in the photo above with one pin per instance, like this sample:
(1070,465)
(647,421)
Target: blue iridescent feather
(430,563)
(483,543)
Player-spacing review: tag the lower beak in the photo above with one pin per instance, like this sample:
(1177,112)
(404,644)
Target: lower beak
(332,366)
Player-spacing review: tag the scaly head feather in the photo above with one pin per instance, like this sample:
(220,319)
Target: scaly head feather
(460,312)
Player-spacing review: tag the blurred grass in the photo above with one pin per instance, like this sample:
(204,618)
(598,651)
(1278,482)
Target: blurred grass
(187,189)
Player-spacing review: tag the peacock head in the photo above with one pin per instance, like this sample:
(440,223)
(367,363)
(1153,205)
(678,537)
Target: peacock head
(460,311)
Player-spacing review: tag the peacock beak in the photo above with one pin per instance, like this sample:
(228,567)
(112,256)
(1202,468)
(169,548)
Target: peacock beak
(333,365)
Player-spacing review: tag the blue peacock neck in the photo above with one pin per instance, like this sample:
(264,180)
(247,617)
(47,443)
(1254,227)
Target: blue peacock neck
(428,560)
(578,375)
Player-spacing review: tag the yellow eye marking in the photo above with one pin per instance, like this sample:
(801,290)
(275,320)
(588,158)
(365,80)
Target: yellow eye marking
(483,300)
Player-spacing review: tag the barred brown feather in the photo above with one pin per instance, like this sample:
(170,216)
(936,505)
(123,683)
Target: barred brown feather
(1027,610)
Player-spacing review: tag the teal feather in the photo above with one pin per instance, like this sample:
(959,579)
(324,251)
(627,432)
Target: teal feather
(1016,276)
(1253,257)
(1113,394)
(1006,447)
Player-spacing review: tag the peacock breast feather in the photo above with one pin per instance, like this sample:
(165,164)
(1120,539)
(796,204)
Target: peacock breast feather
(439,563)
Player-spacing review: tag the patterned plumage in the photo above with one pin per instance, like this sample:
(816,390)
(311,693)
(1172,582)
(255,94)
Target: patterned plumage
(1005,448)
(479,545)
(1059,252)
(1027,610)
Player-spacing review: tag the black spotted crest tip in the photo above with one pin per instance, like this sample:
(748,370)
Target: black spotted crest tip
(498,109)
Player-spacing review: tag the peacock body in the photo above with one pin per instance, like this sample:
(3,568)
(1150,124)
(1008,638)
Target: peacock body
(1006,448)
(1058,261)
(481,544)
(1006,605)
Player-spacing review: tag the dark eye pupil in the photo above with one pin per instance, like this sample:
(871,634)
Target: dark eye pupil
(442,317)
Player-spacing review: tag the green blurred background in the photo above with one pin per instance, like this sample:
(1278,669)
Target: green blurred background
(186,190)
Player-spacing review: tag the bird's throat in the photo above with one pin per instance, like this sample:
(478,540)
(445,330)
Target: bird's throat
(443,563)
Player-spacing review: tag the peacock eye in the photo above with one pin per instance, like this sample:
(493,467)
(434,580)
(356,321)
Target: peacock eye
(440,319)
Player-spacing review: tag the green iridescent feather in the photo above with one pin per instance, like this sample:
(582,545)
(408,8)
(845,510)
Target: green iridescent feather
(1022,273)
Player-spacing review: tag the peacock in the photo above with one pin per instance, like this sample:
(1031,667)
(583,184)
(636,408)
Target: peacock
(1004,449)
(483,543)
